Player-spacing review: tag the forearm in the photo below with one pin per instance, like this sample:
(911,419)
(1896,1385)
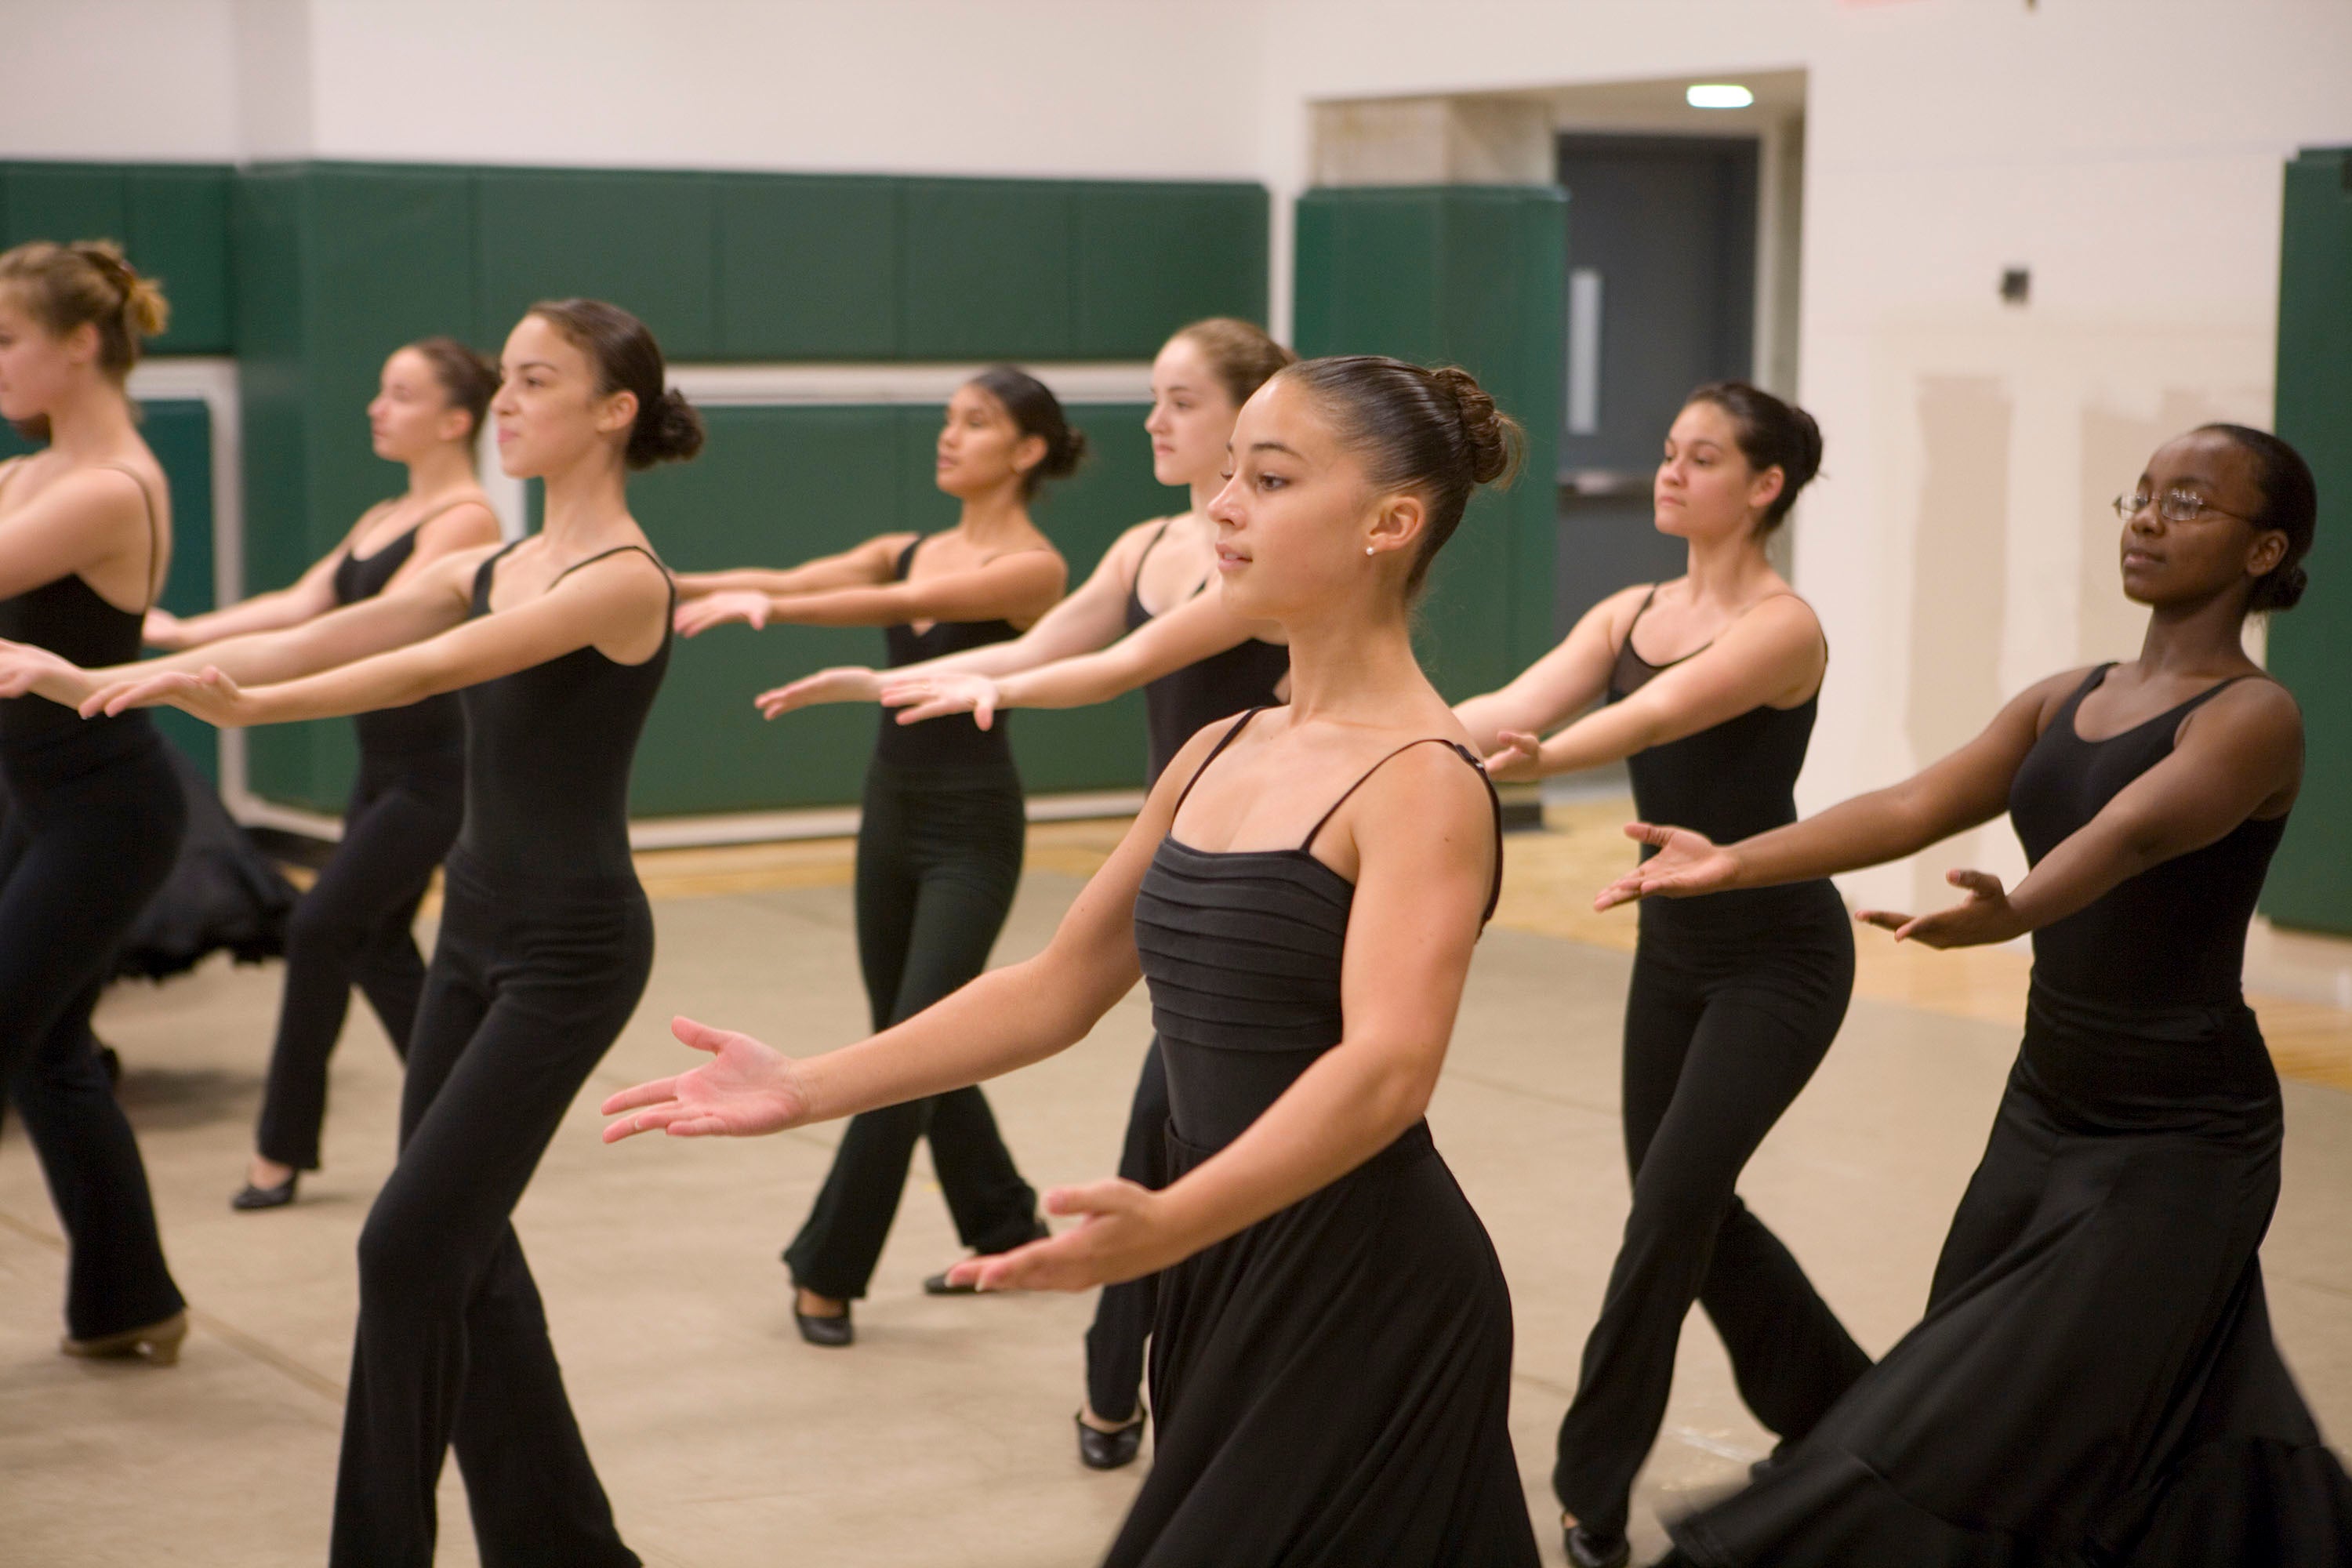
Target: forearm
(1868,830)
(1078,682)
(391,680)
(1007,1018)
(817,577)
(1605,735)
(263,612)
(1344,1109)
(840,608)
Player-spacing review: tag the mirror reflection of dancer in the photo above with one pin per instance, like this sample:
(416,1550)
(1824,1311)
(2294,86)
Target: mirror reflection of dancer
(1707,687)
(2095,1379)
(942,829)
(355,925)
(1303,890)
(1144,617)
(558,643)
(85,534)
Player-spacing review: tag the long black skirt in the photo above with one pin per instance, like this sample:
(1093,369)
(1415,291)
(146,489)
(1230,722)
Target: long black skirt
(1332,1385)
(2096,1381)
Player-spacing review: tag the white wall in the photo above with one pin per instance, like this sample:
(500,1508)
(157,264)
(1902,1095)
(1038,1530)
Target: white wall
(2128,151)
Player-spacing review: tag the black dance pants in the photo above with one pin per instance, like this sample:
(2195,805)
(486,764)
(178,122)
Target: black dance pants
(96,822)
(1123,1313)
(529,984)
(355,926)
(1733,1004)
(939,857)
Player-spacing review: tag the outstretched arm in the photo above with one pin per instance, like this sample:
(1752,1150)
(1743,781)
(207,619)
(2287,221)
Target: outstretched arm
(1566,681)
(872,562)
(2240,756)
(610,605)
(1005,1020)
(308,596)
(1187,634)
(1018,586)
(1962,791)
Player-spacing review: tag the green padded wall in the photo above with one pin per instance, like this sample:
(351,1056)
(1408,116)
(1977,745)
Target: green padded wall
(180,433)
(337,264)
(777,485)
(2311,648)
(1475,276)
(171,219)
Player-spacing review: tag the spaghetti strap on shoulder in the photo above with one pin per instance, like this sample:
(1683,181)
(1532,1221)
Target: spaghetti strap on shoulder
(1223,741)
(154,530)
(1495,892)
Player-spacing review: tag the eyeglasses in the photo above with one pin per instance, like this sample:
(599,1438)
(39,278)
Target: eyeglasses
(2173,506)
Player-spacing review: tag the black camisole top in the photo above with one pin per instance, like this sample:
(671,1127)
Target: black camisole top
(548,754)
(1729,781)
(953,740)
(1182,703)
(2173,936)
(1241,952)
(434,724)
(69,617)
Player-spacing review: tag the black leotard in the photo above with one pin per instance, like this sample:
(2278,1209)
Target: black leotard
(434,724)
(1181,704)
(1332,1383)
(69,617)
(953,740)
(548,753)
(2175,935)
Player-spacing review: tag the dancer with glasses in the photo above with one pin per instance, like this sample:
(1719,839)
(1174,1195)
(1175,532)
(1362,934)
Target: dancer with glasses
(2095,1380)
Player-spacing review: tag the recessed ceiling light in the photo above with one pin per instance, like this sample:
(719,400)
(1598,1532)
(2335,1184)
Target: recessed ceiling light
(1719,95)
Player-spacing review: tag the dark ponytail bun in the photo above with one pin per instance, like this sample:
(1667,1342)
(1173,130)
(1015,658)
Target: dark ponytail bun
(1435,433)
(1035,411)
(627,359)
(2290,506)
(1773,434)
(668,430)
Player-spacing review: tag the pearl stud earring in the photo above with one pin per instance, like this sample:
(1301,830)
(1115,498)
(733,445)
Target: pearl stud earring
(1368,550)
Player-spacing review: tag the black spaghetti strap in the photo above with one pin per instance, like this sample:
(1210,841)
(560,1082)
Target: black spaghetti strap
(617,549)
(1214,752)
(1325,820)
(154,531)
(1495,890)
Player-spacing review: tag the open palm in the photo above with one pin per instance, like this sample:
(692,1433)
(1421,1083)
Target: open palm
(745,1089)
(1686,863)
(843,683)
(936,695)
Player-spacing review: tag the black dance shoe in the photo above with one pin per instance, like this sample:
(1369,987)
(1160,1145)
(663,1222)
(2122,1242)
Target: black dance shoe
(937,1285)
(833,1332)
(1111,1450)
(1590,1549)
(275,1197)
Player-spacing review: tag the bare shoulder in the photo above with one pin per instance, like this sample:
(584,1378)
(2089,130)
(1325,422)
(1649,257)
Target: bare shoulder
(1427,802)
(2259,707)
(465,522)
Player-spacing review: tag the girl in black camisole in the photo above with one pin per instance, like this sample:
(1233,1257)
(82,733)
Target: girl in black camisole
(545,941)
(1730,1007)
(941,826)
(2094,1381)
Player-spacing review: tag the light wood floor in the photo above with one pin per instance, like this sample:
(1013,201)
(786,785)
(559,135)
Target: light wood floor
(1549,878)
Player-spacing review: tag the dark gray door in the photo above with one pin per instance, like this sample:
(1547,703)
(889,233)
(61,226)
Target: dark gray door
(1660,297)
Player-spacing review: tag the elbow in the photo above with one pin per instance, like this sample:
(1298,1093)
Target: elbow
(1396,1094)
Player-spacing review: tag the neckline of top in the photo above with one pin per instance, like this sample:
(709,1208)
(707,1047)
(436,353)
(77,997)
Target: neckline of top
(2098,677)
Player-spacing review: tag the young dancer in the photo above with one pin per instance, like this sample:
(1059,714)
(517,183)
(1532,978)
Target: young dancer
(1146,610)
(2095,1380)
(95,813)
(941,838)
(1706,686)
(559,643)
(1331,1353)
(356,924)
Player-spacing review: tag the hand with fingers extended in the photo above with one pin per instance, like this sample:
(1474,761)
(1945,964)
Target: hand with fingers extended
(210,693)
(1986,916)
(697,616)
(843,683)
(1519,759)
(26,669)
(1124,1232)
(746,1089)
(1686,865)
(922,697)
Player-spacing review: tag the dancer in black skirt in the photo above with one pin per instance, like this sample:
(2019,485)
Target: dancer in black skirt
(1197,663)
(2094,1381)
(95,813)
(354,925)
(1707,687)
(942,829)
(559,644)
(1331,1354)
